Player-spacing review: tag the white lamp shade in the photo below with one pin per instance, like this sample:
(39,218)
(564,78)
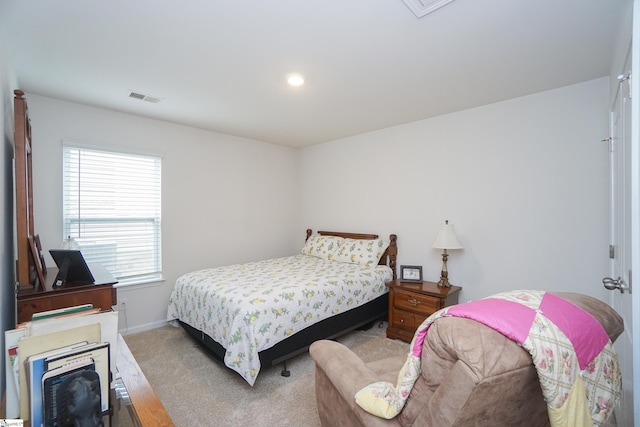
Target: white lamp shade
(447,238)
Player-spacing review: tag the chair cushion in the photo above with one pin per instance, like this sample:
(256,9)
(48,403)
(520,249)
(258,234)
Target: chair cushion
(610,320)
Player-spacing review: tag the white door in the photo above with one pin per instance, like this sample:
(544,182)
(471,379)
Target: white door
(621,280)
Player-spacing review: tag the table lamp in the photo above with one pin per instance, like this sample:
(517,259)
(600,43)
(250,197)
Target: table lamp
(446,239)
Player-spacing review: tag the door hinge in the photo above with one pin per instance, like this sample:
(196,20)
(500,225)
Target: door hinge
(612,252)
(627,78)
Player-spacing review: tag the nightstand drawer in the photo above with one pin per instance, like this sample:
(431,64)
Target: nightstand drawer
(404,320)
(416,303)
(411,303)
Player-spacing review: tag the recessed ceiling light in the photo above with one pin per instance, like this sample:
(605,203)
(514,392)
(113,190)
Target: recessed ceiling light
(295,79)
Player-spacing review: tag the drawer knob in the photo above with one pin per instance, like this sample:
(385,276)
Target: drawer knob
(401,320)
(414,302)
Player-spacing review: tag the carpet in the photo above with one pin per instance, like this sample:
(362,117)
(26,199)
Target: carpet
(196,390)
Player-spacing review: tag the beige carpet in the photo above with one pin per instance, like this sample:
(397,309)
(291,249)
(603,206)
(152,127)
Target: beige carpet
(198,391)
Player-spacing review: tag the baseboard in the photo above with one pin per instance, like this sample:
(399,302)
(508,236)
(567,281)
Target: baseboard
(142,328)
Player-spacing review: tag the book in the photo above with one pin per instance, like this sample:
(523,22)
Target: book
(12,370)
(62,311)
(30,345)
(14,361)
(46,334)
(35,369)
(71,393)
(39,319)
(99,353)
(108,321)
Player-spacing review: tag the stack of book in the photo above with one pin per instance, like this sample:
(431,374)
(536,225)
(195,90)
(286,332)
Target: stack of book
(60,367)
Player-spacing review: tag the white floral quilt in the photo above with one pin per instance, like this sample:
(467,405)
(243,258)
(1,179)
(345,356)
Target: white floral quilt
(251,307)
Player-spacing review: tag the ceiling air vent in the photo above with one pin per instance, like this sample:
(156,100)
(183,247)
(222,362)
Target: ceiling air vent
(143,97)
(423,7)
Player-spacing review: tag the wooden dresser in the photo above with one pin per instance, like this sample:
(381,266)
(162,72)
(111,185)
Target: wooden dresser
(411,303)
(101,294)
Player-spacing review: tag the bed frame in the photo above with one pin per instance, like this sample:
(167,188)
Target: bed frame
(358,318)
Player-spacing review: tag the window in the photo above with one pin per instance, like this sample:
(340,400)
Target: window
(112,209)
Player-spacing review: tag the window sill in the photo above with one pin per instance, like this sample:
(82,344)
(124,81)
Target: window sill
(139,282)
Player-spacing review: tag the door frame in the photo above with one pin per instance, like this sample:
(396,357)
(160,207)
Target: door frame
(635,202)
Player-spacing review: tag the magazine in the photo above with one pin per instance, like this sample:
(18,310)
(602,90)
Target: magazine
(71,395)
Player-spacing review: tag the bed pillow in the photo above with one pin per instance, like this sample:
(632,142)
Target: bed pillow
(324,247)
(365,252)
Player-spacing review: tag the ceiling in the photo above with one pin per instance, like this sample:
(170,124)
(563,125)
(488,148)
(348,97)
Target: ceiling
(369,64)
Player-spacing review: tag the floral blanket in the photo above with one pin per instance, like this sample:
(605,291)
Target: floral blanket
(575,360)
(251,307)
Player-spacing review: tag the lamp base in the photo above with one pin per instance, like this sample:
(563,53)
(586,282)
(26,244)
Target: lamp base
(444,283)
(444,274)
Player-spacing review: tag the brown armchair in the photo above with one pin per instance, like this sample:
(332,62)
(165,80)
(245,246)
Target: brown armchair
(471,376)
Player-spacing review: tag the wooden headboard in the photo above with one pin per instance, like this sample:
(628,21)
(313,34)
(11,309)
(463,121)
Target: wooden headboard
(388,258)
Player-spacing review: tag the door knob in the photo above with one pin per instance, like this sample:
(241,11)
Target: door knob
(613,284)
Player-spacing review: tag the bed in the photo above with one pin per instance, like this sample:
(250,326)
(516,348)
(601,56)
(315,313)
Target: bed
(259,314)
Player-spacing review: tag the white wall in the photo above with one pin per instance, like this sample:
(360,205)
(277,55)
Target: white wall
(224,199)
(525,182)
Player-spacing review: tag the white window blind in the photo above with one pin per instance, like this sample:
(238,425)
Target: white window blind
(112,209)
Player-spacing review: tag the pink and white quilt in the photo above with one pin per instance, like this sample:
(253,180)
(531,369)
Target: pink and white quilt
(577,366)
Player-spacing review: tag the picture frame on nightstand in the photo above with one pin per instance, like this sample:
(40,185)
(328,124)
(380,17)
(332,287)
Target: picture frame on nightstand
(411,273)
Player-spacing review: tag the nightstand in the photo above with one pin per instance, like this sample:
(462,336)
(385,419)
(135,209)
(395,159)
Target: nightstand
(411,303)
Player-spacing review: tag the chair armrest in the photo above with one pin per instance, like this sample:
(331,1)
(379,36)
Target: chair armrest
(343,373)
(345,369)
